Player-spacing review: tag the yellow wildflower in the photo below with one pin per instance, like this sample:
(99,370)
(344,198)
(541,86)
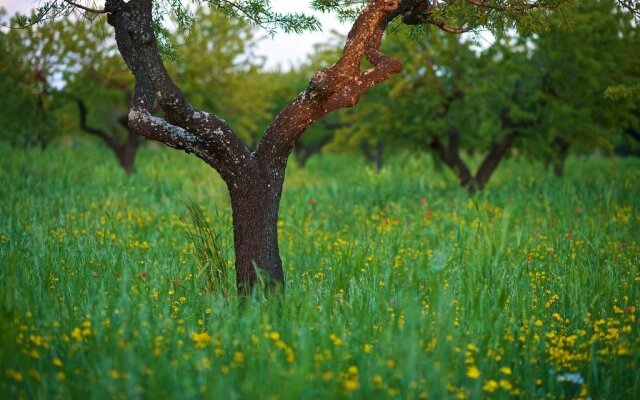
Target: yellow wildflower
(473,372)
(327,375)
(201,340)
(76,334)
(15,375)
(505,384)
(351,384)
(490,386)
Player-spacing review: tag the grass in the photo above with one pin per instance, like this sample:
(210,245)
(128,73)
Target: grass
(399,285)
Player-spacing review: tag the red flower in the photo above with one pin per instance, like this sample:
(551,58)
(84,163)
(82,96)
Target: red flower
(143,274)
(312,201)
(423,201)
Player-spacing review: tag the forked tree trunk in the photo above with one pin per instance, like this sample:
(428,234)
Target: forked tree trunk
(254,178)
(127,153)
(450,155)
(255,203)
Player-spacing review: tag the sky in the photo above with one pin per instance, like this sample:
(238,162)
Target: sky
(281,50)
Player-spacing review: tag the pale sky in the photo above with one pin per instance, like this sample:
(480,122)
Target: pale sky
(282,49)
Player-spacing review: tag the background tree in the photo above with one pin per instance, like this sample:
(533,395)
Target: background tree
(96,87)
(573,70)
(29,63)
(450,99)
(221,71)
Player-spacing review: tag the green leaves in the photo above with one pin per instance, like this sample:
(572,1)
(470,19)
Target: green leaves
(260,13)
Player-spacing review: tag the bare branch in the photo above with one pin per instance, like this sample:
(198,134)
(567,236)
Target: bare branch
(449,29)
(158,129)
(89,9)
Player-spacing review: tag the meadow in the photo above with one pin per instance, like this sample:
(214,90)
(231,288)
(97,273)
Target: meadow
(399,284)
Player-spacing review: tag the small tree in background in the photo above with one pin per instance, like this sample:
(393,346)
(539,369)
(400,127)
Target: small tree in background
(572,71)
(29,62)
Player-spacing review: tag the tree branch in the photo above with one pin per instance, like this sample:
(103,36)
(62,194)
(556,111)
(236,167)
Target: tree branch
(92,10)
(82,114)
(634,133)
(335,87)
(450,29)
(450,155)
(492,160)
(185,127)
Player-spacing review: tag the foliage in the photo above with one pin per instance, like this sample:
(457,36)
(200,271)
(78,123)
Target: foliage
(25,74)
(219,71)
(573,71)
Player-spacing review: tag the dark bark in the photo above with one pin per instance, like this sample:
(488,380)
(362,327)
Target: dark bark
(561,151)
(255,202)
(450,155)
(491,162)
(376,157)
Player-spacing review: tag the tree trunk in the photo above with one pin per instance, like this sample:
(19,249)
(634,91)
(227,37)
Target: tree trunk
(126,156)
(376,157)
(255,203)
(490,163)
(126,153)
(450,155)
(254,179)
(562,151)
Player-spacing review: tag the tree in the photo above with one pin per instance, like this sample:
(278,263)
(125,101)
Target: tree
(572,71)
(255,179)
(78,81)
(450,99)
(97,87)
(25,73)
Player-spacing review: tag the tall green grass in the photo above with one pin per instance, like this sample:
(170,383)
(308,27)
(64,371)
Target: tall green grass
(399,285)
